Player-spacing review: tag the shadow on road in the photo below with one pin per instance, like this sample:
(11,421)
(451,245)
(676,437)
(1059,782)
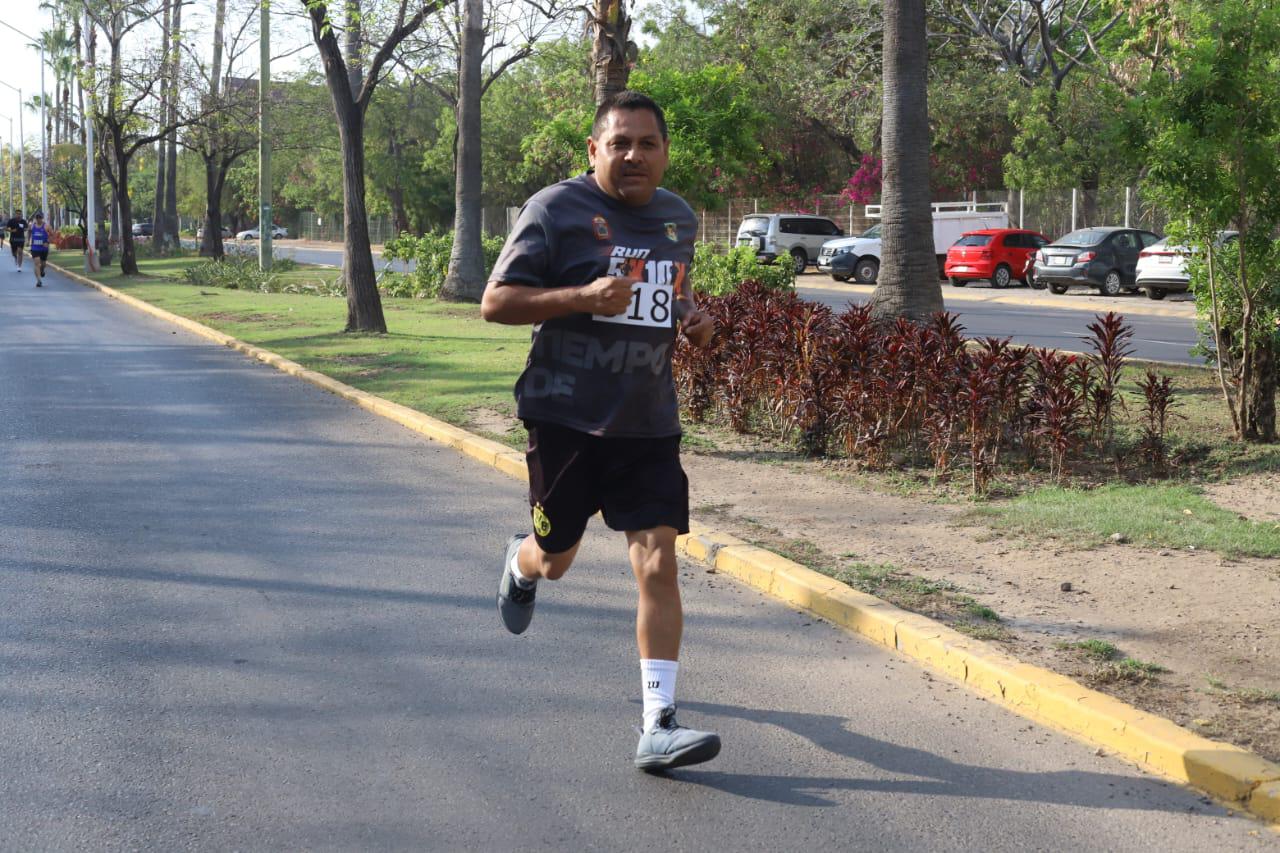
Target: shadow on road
(925,773)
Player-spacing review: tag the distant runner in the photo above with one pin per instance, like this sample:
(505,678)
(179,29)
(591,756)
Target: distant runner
(599,265)
(17,228)
(39,248)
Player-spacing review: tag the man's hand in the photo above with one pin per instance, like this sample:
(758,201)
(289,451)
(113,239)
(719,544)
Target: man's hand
(607,296)
(698,328)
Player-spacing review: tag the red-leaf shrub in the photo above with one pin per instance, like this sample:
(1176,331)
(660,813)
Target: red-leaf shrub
(794,370)
(1157,391)
(60,240)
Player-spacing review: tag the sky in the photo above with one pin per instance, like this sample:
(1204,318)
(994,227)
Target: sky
(22,63)
(22,69)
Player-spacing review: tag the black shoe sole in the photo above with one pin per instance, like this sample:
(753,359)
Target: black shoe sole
(696,754)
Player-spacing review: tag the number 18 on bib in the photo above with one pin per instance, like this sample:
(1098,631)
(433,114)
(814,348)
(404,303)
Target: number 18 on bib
(651,305)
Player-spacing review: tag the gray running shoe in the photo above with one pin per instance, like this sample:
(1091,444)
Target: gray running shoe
(669,745)
(515,603)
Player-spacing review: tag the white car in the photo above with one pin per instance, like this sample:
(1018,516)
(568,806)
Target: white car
(277,232)
(1162,266)
(859,257)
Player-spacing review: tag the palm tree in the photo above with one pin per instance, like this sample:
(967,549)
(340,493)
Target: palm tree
(908,284)
(612,51)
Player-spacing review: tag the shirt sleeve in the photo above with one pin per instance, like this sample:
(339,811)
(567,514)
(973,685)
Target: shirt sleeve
(526,256)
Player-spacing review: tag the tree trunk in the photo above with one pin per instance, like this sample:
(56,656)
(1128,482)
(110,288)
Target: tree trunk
(364,305)
(128,253)
(612,51)
(908,284)
(352,38)
(211,242)
(399,215)
(157,207)
(114,233)
(466,279)
(158,213)
(1260,422)
(171,236)
(214,176)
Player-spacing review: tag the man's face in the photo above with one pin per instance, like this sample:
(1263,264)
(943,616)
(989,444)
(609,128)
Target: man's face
(630,157)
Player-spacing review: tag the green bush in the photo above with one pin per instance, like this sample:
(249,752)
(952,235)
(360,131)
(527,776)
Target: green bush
(717,273)
(240,272)
(430,253)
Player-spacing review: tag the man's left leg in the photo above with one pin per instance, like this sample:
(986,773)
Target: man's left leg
(664,744)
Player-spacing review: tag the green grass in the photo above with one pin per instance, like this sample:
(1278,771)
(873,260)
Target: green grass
(1098,650)
(1163,516)
(1245,695)
(438,358)
(1130,670)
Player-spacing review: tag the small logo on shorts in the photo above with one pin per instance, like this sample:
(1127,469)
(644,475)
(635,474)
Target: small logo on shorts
(672,234)
(541,524)
(601,226)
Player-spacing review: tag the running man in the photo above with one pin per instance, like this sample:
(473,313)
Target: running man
(39,248)
(599,265)
(17,227)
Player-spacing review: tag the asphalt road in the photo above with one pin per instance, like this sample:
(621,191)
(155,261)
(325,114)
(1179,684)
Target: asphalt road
(241,614)
(1045,319)
(1055,321)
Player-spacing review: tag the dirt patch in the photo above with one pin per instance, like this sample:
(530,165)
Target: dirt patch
(1211,623)
(1256,496)
(355,359)
(493,422)
(241,317)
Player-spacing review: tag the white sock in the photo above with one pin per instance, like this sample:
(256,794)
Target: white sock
(658,678)
(520,579)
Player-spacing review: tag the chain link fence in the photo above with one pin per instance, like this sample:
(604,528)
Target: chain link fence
(310,225)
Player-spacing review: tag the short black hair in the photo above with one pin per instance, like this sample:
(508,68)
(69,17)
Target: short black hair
(627,100)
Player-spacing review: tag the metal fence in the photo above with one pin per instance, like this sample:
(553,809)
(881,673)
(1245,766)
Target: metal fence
(310,225)
(1052,212)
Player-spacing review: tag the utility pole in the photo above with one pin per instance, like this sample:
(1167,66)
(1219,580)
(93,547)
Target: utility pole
(44,144)
(264,144)
(22,146)
(44,151)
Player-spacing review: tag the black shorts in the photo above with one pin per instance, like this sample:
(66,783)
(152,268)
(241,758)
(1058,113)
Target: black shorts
(15,247)
(42,254)
(637,483)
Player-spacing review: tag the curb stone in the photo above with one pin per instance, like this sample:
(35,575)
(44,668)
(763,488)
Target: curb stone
(1229,773)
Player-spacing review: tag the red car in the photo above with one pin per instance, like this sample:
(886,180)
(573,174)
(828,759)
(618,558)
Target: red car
(997,255)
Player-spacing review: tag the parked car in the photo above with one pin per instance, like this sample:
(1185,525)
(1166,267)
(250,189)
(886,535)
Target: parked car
(277,232)
(997,255)
(799,235)
(859,257)
(143,229)
(1162,268)
(839,258)
(226,232)
(1101,257)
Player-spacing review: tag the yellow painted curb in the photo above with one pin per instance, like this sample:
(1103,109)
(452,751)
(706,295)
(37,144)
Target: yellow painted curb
(1227,772)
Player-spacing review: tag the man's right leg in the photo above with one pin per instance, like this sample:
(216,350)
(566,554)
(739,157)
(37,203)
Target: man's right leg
(561,498)
(536,564)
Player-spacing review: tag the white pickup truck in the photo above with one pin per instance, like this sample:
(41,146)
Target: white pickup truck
(859,257)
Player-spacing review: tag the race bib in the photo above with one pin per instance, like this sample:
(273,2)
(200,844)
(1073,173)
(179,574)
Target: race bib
(651,305)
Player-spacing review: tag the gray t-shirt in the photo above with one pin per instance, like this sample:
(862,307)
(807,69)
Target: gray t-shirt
(608,376)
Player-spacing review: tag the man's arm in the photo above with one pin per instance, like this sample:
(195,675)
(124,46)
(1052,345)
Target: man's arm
(522,305)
